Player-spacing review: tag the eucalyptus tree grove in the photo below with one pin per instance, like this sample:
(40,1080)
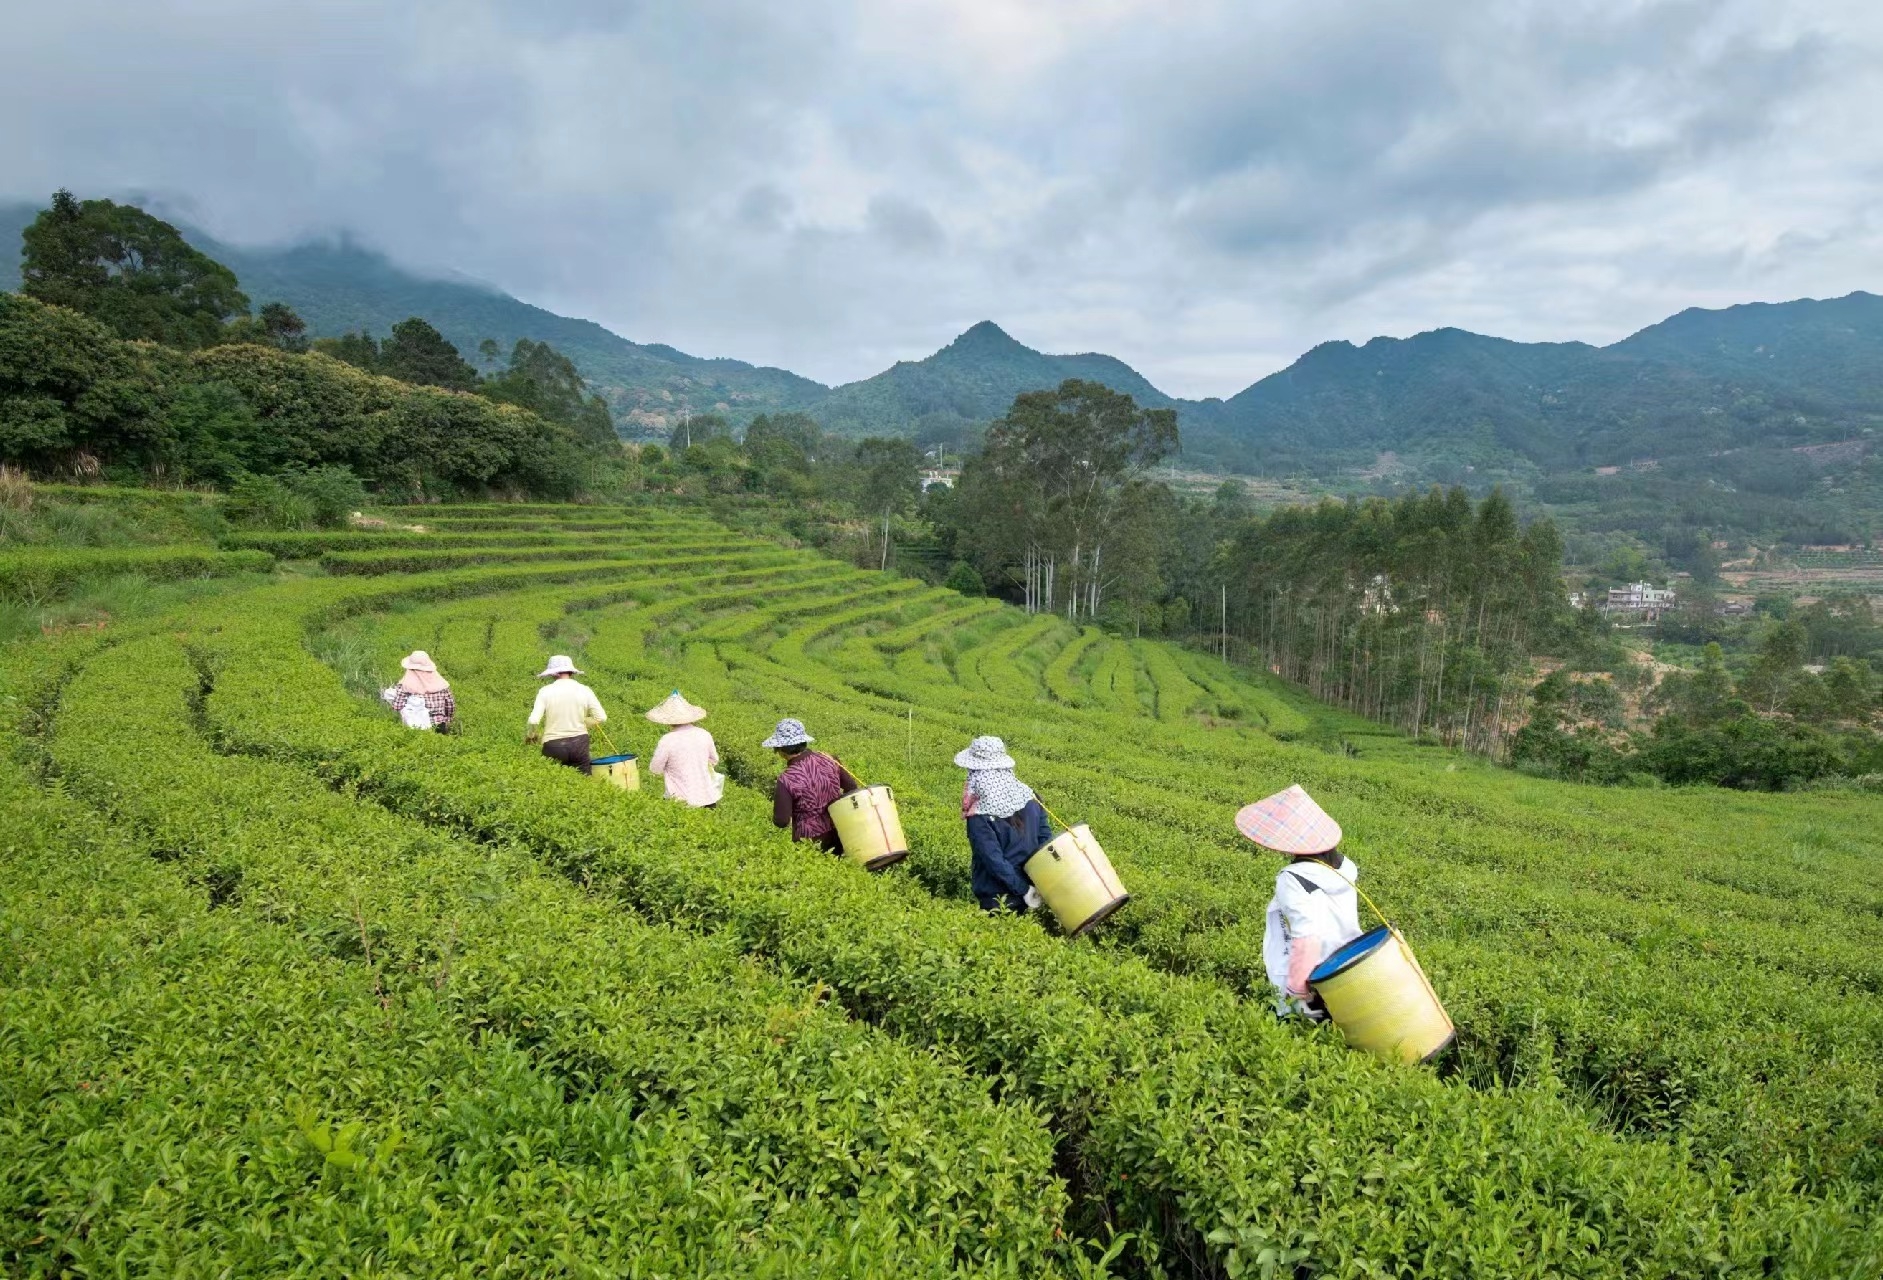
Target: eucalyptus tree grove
(1419,611)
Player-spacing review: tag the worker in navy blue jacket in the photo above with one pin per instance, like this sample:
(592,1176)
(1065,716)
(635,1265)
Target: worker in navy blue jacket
(1006,826)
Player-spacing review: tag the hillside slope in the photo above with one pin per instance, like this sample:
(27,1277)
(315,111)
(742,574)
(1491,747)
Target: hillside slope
(479,924)
(340,287)
(1753,380)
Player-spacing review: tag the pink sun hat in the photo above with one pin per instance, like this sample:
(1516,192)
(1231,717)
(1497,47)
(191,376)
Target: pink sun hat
(1289,822)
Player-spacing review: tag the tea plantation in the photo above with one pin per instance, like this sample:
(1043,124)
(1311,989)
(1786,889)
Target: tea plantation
(288,989)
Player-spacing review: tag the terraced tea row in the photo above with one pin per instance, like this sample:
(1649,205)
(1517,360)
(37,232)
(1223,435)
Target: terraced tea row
(1648,1046)
(1595,947)
(777,916)
(660,1078)
(39,575)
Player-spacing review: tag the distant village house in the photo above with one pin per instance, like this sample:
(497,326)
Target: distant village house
(1636,602)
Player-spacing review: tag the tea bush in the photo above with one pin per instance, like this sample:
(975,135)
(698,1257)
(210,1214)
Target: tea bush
(46,575)
(1669,1033)
(790,1116)
(1064,1025)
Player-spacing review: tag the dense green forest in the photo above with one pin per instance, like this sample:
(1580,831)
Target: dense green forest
(1417,612)
(130,355)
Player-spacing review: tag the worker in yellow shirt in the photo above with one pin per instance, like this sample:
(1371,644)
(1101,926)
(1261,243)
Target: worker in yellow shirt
(565,708)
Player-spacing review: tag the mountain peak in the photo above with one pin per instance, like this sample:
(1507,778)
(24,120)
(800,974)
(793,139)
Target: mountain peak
(987,336)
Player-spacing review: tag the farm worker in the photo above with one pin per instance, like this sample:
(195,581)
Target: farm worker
(422,697)
(565,708)
(1006,826)
(810,782)
(686,754)
(1315,909)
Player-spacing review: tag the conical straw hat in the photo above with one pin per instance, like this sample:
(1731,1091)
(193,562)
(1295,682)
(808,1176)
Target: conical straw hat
(676,710)
(1289,822)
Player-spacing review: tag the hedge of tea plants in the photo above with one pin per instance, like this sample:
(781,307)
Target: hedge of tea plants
(40,575)
(1664,1048)
(1669,1026)
(583,1085)
(1167,1125)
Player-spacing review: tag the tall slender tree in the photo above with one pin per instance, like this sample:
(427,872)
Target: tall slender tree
(1418,611)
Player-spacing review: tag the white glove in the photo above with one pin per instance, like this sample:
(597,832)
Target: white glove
(1033,900)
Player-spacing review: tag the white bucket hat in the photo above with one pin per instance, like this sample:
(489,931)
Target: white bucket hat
(789,733)
(418,660)
(985,753)
(676,710)
(558,665)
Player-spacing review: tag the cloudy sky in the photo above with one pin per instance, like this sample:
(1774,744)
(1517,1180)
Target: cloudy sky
(1204,188)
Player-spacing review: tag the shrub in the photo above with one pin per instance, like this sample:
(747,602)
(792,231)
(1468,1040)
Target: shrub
(264,502)
(965,578)
(16,491)
(1746,752)
(333,492)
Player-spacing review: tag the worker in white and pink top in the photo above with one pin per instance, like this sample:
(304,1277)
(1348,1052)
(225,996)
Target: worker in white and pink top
(686,754)
(1315,910)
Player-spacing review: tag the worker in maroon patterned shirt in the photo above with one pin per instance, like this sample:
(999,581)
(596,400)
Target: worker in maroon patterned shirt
(810,782)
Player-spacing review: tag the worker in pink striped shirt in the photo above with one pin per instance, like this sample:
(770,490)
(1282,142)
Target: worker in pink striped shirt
(810,782)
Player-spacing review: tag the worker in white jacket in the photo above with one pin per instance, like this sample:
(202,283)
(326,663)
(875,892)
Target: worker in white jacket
(1315,910)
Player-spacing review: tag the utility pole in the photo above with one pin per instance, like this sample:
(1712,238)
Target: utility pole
(1225,622)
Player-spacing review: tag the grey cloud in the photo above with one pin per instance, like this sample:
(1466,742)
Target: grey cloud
(904,225)
(1201,189)
(1271,134)
(763,208)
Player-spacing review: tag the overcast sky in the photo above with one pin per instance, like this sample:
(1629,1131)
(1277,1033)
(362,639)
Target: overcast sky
(1204,189)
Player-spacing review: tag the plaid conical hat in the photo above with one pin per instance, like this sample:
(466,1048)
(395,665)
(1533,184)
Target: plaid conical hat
(1289,822)
(676,710)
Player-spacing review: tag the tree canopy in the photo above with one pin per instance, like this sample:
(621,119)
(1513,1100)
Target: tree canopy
(1042,503)
(131,271)
(1416,612)
(418,354)
(546,382)
(71,390)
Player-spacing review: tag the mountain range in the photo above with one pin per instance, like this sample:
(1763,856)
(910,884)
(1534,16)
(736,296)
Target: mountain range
(1699,385)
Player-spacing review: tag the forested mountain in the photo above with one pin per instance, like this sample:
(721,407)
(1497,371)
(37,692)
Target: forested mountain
(340,287)
(1730,399)
(1829,348)
(1701,384)
(969,382)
